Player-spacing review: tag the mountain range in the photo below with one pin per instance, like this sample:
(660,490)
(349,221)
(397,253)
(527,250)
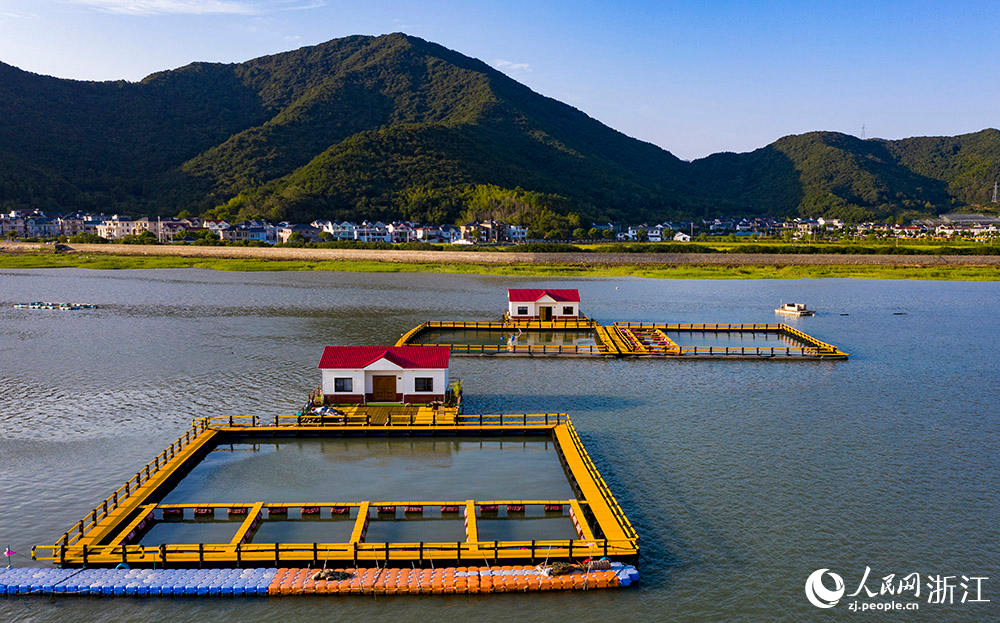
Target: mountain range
(398,127)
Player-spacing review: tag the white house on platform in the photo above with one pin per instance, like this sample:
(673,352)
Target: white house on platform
(543,304)
(399,374)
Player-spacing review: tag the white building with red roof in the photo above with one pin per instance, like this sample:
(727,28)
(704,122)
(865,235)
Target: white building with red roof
(398,374)
(543,304)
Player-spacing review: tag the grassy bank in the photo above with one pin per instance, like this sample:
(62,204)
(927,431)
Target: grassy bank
(117,262)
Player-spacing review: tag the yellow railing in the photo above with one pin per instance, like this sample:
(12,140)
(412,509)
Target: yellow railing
(124,492)
(364,420)
(750,351)
(283,554)
(710,328)
(810,346)
(529,349)
(532,325)
(822,346)
(602,486)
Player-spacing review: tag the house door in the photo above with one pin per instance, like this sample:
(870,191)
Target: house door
(545,313)
(384,388)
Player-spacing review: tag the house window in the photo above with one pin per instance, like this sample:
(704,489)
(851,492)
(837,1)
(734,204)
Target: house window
(424,384)
(522,311)
(343,384)
(567,311)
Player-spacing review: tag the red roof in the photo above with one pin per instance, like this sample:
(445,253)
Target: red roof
(525,295)
(357,357)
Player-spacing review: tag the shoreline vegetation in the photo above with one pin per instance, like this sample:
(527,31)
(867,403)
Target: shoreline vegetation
(703,265)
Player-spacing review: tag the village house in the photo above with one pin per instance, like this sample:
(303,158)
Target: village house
(543,304)
(401,232)
(79,223)
(120,226)
(309,234)
(490,231)
(338,231)
(372,232)
(430,233)
(215,225)
(396,374)
(517,233)
(166,228)
(247,231)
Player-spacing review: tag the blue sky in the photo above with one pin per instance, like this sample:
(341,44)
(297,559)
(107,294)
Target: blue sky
(692,77)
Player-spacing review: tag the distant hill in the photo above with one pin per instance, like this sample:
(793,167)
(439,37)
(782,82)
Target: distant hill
(397,127)
(841,176)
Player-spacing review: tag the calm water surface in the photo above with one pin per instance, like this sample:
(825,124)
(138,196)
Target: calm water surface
(742,478)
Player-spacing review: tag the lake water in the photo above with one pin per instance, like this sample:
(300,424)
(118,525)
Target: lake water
(393,469)
(741,477)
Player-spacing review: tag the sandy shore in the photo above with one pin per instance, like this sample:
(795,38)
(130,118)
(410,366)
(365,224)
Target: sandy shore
(501,258)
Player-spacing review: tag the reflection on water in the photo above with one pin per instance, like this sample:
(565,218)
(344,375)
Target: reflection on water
(539,528)
(741,477)
(416,530)
(180,532)
(386,469)
(327,530)
(513,337)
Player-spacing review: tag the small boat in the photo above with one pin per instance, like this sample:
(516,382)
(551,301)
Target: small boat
(59,306)
(795,309)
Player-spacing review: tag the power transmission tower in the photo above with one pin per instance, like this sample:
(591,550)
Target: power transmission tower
(862,131)
(995,193)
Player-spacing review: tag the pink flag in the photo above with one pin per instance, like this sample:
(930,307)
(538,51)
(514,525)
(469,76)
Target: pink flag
(8,552)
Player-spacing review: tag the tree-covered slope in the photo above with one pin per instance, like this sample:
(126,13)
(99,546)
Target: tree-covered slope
(395,126)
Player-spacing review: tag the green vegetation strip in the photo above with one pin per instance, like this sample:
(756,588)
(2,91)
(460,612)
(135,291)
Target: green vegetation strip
(864,271)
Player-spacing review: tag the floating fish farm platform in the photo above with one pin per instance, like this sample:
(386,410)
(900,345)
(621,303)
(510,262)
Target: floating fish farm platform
(58,306)
(117,532)
(621,339)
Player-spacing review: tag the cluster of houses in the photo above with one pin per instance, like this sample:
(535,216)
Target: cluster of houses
(35,224)
(969,226)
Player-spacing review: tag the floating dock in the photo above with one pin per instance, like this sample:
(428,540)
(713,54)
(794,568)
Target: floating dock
(110,534)
(274,582)
(57,306)
(630,339)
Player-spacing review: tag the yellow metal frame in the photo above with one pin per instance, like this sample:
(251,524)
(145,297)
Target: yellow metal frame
(815,349)
(101,542)
(619,340)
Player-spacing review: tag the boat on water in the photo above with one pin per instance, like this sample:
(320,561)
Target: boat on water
(795,309)
(59,306)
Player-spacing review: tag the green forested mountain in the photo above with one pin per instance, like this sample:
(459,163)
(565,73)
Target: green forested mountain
(397,127)
(841,176)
